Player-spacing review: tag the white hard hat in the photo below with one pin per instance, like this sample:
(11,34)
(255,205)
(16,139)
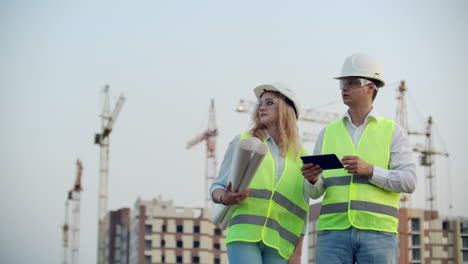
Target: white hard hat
(363,65)
(283,90)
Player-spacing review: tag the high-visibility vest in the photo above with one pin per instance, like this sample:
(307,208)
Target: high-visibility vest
(272,213)
(351,200)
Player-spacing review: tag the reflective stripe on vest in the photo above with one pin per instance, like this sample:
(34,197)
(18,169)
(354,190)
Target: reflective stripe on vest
(271,223)
(279,199)
(359,205)
(344,180)
(352,199)
(272,213)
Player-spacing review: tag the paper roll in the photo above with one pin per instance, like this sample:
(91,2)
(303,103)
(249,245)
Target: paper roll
(246,160)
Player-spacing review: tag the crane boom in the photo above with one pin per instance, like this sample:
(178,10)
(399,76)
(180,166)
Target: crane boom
(309,114)
(196,140)
(210,137)
(113,116)
(204,136)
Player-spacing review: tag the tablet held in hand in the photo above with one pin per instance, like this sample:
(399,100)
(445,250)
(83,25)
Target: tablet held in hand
(325,161)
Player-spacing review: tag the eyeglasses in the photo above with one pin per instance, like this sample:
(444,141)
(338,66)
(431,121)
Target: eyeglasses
(353,83)
(268,102)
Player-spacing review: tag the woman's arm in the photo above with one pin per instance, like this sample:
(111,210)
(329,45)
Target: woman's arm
(297,254)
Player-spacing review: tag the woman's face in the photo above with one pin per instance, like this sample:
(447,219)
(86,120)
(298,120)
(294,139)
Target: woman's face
(267,108)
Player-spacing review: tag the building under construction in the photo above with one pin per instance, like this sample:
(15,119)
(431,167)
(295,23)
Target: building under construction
(155,231)
(423,237)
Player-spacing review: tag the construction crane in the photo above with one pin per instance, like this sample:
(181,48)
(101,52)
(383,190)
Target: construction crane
(308,115)
(209,135)
(401,118)
(402,113)
(427,161)
(427,153)
(74,195)
(102,139)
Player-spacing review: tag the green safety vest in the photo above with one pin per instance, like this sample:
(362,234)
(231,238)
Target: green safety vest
(351,200)
(272,213)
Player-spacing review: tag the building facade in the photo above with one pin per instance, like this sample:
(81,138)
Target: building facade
(163,233)
(117,237)
(423,238)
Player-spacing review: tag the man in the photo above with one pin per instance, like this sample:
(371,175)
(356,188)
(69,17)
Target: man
(359,216)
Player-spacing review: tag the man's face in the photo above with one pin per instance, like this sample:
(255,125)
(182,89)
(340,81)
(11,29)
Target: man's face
(356,90)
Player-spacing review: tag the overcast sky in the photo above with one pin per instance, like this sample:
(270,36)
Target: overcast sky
(169,58)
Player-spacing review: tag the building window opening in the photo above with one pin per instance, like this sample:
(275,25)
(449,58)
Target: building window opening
(148,230)
(196,244)
(148,245)
(147,259)
(415,225)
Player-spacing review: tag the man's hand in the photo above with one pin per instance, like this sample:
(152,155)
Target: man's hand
(355,165)
(311,172)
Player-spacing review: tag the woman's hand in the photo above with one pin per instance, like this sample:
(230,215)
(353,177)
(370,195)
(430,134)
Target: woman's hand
(296,256)
(295,259)
(230,197)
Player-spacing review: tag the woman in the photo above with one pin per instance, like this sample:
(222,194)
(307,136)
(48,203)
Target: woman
(269,224)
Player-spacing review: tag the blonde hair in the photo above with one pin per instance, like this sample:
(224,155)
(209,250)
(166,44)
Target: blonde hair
(287,128)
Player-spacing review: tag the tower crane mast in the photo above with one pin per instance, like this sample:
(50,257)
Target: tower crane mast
(74,195)
(102,139)
(65,231)
(209,135)
(427,161)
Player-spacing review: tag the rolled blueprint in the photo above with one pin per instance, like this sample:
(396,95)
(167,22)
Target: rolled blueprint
(246,160)
(240,162)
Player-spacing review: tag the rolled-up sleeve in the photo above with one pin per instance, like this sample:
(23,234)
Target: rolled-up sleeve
(225,169)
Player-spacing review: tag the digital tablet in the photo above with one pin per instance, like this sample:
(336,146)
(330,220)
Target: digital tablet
(325,161)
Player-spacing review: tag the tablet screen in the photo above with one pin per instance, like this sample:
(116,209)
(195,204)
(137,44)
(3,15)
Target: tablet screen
(325,161)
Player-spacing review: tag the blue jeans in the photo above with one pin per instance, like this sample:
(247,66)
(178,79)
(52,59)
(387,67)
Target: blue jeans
(356,245)
(253,253)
